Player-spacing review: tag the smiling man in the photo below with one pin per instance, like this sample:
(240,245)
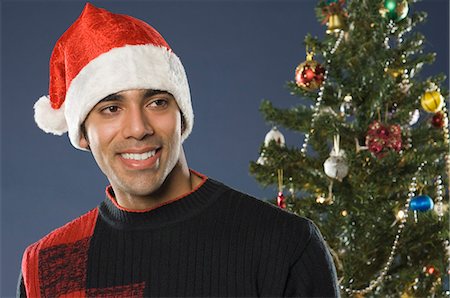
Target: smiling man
(135,137)
(163,230)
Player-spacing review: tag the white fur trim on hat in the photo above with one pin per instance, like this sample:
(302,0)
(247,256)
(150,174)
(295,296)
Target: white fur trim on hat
(128,67)
(49,119)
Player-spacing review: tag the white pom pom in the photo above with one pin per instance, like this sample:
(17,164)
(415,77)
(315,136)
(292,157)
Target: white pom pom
(48,119)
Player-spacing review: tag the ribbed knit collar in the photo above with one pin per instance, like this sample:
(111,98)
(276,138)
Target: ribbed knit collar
(170,212)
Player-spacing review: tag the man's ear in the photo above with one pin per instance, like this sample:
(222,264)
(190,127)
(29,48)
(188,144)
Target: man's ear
(183,125)
(84,141)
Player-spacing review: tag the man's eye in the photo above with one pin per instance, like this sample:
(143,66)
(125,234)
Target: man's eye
(158,103)
(110,109)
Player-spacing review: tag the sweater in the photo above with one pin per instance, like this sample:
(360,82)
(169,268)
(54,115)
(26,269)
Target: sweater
(212,242)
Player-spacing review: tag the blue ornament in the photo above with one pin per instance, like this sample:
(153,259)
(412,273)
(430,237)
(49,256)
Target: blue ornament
(332,1)
(421,203)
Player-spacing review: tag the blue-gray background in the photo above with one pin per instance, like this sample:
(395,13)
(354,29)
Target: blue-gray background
(235,53)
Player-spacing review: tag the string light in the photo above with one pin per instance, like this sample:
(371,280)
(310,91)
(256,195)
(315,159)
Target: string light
(320,96)
(439,206)
(382,274)
(402,214)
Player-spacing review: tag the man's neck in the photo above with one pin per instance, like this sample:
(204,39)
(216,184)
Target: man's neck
(180,182)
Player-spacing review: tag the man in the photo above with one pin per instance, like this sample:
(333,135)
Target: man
(163,230)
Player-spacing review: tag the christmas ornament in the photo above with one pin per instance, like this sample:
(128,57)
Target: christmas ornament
(309,75)
(406,295)
(346,107)
(432,101)
(395,10)
(421,203)
(404,86)
(274,135)
(334,15)
(321,199)
(438,120)
(335,24)
(400,215)
(281,201)
(280,198)
(380,139)
(336,165)
(262,159)
(348,98)
(439,207)
(394,72)
(414,117)
(430,270)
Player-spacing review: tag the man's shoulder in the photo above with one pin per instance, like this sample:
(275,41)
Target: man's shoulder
(78,229)
(264,210)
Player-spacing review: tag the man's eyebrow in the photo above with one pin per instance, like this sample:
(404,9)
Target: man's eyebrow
(111,97)
(118,97)
(151,92)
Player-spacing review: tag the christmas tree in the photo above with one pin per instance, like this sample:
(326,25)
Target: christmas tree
(373,169)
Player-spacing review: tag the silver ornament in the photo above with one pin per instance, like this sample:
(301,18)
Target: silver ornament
(414,117)
(336,165)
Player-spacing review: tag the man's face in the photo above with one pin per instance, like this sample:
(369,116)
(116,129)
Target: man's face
(135,138)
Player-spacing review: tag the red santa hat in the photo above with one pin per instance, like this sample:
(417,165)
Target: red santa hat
(103,53)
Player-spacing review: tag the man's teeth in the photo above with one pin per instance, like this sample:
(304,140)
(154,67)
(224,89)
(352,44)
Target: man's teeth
(137,156)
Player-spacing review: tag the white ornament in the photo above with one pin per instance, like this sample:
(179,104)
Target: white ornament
(261,160)
(400,215)
(336,165)
(414,117)
(405,85)
(439,208)
(274,135)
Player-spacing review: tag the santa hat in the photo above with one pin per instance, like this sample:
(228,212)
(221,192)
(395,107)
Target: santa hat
(104,53)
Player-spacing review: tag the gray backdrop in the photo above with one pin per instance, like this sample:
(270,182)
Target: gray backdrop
(235,53)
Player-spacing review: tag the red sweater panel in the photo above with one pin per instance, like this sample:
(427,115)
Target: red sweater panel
(79,229)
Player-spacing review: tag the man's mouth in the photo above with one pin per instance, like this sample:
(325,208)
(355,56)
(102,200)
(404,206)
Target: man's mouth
(139,156)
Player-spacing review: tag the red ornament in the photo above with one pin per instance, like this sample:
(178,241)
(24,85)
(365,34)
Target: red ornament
(375,148)
(431,270)
(380,138)
(396,145)
(309,75)
(281,201)
(438,120)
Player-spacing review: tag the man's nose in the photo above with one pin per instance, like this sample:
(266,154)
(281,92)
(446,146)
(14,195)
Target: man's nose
(136,124)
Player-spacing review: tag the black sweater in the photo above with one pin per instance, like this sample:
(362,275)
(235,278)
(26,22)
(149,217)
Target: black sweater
(213,242)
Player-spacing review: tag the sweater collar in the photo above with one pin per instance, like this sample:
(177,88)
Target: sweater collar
(169,212)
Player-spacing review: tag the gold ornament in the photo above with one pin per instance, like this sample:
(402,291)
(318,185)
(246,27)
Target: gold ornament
(335,24)
(394,72)
(406,295)
(432,101)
